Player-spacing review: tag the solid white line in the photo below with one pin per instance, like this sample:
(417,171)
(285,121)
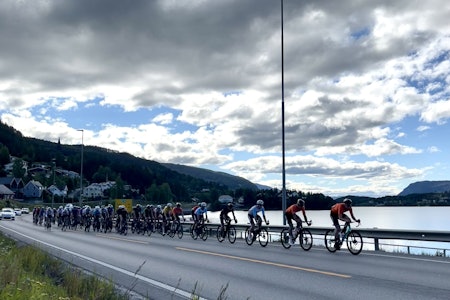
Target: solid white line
(408,258)
(140,277)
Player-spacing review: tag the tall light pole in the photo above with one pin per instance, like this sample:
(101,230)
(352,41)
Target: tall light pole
(81,167)
(283,200)
(53,193)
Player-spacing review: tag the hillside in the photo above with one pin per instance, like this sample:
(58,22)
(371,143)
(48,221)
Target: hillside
(426,187)
(232,182)
(137,172)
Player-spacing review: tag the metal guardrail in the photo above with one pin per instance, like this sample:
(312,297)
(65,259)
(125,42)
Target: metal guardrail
(367,233)
(374,233)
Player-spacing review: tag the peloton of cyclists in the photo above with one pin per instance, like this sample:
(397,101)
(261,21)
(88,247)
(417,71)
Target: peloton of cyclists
(291,214)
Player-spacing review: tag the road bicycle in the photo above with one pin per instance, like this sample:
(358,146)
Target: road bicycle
(122,227)
(201,231)
(87,223)
(48,223)
(304,236)
(353,240)
(149,226)
(227,231)
(259,233)
(137,226)
(176,228)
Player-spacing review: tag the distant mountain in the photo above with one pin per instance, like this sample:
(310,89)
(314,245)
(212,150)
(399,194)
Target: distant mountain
(426,187)
(231,181)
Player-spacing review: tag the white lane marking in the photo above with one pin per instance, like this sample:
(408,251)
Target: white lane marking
(167,287)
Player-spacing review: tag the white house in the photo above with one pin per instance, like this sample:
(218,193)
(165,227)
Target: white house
(225,199)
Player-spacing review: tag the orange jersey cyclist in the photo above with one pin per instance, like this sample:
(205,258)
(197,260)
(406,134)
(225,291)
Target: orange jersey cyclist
(338,213)
(291,214)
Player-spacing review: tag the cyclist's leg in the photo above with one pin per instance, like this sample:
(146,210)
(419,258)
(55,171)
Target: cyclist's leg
(291,226)
(298,220)
(252,223)
(337,228)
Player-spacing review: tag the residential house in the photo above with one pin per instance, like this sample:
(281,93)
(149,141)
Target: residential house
(16,185)
(5,193)
(225,199)
(33,189)
(96,190)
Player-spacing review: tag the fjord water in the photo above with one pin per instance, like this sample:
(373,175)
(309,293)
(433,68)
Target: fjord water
(434,218)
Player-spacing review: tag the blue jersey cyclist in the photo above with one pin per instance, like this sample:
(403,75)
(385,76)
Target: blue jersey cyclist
(198,214)
(253,214)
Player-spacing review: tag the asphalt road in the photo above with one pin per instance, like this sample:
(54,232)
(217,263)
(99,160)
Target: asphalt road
(160,267)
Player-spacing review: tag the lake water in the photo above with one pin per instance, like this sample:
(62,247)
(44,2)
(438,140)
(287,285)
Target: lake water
(382,217)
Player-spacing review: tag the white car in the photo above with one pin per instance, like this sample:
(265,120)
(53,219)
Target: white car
(7,214)
(25,210)
(18,211)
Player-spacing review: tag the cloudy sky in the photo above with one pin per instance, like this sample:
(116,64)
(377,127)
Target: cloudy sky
(199,82)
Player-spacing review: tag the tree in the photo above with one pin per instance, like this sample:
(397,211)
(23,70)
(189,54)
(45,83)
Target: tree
(4,155)
(166,192)
(18,168)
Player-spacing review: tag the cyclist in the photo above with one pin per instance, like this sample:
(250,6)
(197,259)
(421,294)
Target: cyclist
(158,215)
(253,214)
(167,216)
(48,215)
(137,211)
(194,208)
(291,214)
(224,218)
(338,213)
(121,217)
(199,214)
(177,211)
(149,217)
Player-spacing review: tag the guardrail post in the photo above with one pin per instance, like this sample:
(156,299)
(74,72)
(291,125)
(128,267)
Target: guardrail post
(376,243)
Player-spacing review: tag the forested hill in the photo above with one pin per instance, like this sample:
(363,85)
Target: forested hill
(424,187)
(137,172)
(233,182)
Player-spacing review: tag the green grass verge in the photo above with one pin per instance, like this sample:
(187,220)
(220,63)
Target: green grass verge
(29,273)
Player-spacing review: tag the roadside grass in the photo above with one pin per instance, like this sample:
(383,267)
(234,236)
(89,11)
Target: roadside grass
(29,273)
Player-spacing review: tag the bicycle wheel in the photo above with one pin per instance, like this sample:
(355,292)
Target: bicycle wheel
(171,230)
(263,237)
(220,234)
(306,239)
(180,231)
(285,238)
(193,232)
(232,234)
(204,233)
(354,242)
(248,236)
(330,240)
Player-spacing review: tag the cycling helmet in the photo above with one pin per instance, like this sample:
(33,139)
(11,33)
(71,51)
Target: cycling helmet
(169,204)
(230,204)
(348,201)
(203,204)
(148,206)
(259,202)
(158,207)
(301,202)
(178,204)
